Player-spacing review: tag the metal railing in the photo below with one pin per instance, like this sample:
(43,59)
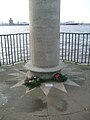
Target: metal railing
(14,48)
(74,47)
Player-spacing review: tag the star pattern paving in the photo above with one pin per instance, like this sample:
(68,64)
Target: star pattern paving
(46,87)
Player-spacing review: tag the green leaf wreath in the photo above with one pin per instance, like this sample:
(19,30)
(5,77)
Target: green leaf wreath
(35,81)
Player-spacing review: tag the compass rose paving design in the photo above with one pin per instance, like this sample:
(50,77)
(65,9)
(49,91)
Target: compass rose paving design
(46,87)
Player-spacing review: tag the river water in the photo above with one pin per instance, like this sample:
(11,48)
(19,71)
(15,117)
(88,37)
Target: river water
(63,28)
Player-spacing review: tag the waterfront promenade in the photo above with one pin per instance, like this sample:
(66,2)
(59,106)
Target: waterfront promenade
(58,105)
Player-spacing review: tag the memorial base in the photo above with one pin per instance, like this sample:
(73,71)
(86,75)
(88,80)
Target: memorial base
(43,73)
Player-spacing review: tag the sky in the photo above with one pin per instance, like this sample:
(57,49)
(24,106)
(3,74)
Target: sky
(71,10)
(75,10)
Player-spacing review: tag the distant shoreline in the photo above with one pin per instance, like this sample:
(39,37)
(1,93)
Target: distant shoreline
(14,25)
(60,24)
(74,23)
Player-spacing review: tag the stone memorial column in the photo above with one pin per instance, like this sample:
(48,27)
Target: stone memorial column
(44,36)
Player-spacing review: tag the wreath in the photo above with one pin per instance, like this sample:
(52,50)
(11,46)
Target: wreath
(36,81)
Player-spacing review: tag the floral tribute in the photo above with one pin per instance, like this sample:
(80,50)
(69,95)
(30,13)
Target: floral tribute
(58,77)
(35,81)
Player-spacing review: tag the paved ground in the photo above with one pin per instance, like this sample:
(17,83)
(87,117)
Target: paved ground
(58,105)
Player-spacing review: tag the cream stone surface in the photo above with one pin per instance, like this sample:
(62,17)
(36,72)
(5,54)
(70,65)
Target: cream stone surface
(44,32)
(32,68)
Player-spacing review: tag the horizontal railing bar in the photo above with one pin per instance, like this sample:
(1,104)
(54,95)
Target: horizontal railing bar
(14,34)
(73,33)
(29,33)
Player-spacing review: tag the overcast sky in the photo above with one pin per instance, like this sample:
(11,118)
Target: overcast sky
(71,10)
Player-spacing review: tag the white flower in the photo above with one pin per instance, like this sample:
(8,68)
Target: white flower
(35,77)
(30,81)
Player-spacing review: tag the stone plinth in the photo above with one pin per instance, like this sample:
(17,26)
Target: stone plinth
(44,73)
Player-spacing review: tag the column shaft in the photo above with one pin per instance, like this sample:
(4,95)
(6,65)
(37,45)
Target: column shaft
(44,32)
